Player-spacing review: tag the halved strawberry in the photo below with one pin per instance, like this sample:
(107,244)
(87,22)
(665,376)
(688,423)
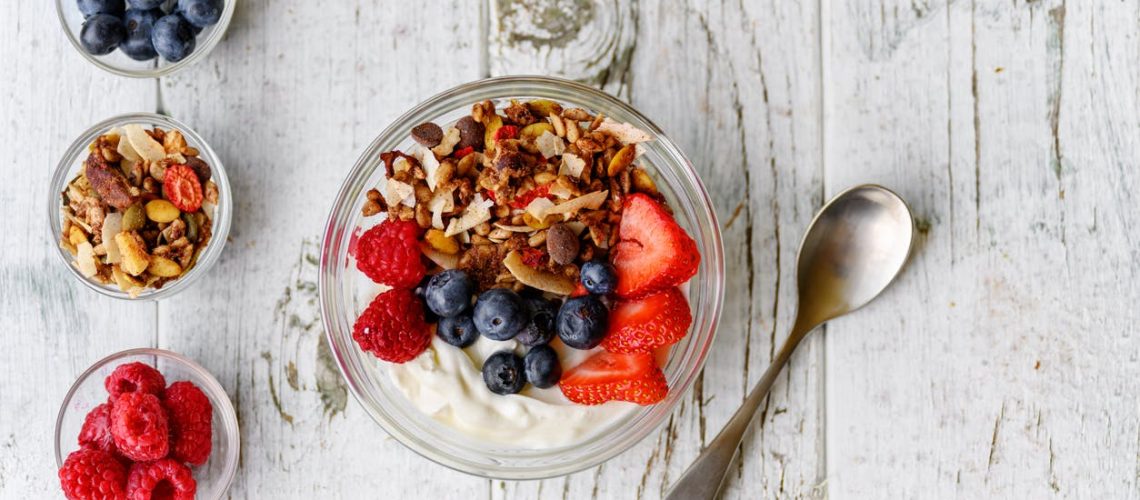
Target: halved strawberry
(642,325)
(653,252)
(608,376)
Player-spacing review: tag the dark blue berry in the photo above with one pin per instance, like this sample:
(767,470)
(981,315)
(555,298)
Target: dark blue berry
(599,277)
(582,322)
(539,328)
(500,314)
(201,13)
(430,317)
(139,24)
(542,367)
(101,33)
(173,38)
(449,293)
(458,331)
(145,4)
(503,373)
(91,7)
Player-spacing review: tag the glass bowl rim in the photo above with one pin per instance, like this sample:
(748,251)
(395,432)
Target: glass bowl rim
(230,424)
(217,32)
(221,219)
(465,94)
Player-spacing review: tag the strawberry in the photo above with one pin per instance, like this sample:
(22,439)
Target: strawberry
(645,324)
(608,376)
(506,132)
(579,290)
(653,252)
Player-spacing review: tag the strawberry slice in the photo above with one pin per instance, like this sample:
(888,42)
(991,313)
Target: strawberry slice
(653,252)
(645,324)
(608,376)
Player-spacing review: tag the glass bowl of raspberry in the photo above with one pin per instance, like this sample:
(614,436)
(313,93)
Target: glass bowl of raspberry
(463,405)
(203,228)
(107,47)
(148,419)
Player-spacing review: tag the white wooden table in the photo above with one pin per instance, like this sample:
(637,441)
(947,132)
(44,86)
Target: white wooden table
(1004,363)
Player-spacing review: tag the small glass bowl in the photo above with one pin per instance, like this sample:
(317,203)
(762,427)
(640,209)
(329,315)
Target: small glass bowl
(72,163)
(367,377)
(215,476)
(71,20)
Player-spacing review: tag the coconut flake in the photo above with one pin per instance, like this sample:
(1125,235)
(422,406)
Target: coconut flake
(125,150)
(561,191)
(446,261)
(112,224)
(143,144)
(447,144)
(624,132)
(588,201)
(576,226)
(397,192)
(550,145)
(514,229)
(431,167)
(478,212)
(85,259)
(542,280)
(440,202)
(572,165)
(538,207)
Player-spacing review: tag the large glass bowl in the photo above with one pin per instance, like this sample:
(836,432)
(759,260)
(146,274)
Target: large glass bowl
(72,163)
(367,377)
(71,20)
(213,477)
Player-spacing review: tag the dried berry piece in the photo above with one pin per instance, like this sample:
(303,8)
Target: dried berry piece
(470,133)
(108,182)
(182,188)
(200,167)
(562,244)
(428,134)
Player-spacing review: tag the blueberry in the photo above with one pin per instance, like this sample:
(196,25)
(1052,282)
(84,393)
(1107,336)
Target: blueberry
(542,367)
(449,293)
(539,328)
(201,13)
(173,38)
(500,314)
(582,322)
(101,33)
(145,4)
(91,7)
(139,24)
(458,331)
(503,373)
(599,277)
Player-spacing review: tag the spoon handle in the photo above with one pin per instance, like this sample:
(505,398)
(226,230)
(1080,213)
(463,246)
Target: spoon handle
(704,477)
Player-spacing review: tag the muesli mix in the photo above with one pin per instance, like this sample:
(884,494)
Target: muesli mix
(141,211)
(531,222)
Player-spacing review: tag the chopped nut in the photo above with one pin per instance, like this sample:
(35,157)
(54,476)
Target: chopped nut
(164,267)
(577,114)
(371,207)
(537,239)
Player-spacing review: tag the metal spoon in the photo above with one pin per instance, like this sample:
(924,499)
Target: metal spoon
(853,249)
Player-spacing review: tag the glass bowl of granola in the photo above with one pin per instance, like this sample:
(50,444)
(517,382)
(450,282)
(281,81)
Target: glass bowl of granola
(129,51)
(198,427)
(139,207)
(521,277)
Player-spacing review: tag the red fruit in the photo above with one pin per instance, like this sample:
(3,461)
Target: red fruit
(389,253)
(653,252)
(579,290)
(533,257)
(642,325)
(163,479)
(523,200)
(134,377)
(139,426)
(506,132)
(190,416)
(608,376)
(96,431)
(464,152)
(392,328)
(93,475)
(180,185)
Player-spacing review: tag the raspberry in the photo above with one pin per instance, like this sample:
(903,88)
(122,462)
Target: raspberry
(96,431)
(392,327)
(190,416)
(165,479)
(139,426)
(134,377)
(93,474)
(389,253)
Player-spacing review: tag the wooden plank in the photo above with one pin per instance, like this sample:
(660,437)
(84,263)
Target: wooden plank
(996,366)
(737,86)
(54,327)
(289,100)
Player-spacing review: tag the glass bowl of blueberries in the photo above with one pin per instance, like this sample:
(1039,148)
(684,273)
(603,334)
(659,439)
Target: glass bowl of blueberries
(144,38)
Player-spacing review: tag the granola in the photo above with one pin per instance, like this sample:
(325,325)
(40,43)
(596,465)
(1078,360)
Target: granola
(141,210)
(518,196)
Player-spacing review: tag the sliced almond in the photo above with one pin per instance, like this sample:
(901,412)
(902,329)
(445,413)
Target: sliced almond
(534,278)
(514,229)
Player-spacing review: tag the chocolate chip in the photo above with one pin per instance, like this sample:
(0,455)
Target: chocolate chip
(427,134)
(470,133)
(199,167)
(562,244)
